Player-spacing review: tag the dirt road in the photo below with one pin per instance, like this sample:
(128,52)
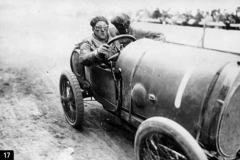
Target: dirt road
(32,122)
(36,38)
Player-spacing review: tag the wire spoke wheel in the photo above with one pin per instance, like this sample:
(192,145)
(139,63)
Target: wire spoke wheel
(68,100)
(71,98)
(156,146)
(159,138)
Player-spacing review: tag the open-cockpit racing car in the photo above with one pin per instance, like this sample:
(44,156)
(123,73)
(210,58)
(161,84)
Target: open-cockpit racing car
(183,101)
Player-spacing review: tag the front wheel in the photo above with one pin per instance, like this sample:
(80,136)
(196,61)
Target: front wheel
(161,138)
(72,99)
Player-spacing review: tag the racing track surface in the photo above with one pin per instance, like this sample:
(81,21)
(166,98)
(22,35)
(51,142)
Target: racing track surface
(36,39)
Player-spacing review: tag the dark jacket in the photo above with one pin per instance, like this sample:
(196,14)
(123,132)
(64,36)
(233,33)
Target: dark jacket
(87,50)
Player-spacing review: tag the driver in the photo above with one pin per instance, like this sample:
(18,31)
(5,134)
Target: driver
(94,48)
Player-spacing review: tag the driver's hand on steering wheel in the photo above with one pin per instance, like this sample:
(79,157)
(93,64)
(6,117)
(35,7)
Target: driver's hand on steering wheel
(103,51)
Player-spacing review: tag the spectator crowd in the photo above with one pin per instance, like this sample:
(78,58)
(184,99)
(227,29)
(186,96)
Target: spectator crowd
(217,18)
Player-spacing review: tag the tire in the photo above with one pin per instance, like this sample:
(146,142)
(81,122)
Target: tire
(71,99)
(173,141)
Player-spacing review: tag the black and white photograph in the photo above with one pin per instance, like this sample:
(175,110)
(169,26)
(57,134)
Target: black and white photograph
(119,80)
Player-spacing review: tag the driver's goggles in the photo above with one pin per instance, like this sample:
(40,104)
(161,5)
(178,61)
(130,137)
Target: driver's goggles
(98,28)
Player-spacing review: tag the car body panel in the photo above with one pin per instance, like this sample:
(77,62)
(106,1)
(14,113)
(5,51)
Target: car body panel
(166,74)
(160,79)
(102,84)
(220,128)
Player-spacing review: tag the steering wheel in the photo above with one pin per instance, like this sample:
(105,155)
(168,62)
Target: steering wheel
(123,36)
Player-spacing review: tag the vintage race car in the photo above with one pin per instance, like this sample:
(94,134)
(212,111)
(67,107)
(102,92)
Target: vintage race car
(183,101)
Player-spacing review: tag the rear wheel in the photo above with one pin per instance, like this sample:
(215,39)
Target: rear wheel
(72,99)
(160,138)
